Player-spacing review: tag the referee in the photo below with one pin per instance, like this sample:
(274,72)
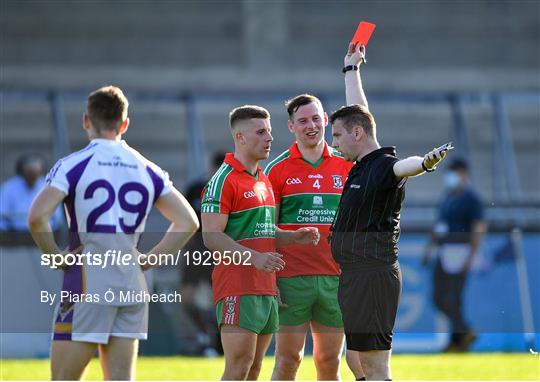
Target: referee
(365,235)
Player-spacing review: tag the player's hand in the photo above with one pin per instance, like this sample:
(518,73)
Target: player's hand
(307,235)
(268,261)
(63,266)
(356,54)
(280,302)
(432,158)
(142,260)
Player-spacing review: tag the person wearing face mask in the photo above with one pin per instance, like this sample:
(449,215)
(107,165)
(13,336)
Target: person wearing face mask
(456,239)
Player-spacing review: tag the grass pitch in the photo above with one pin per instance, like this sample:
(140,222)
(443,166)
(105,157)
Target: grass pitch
(493,366)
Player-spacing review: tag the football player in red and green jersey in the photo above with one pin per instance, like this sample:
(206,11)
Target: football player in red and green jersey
(238,220)
(307,180)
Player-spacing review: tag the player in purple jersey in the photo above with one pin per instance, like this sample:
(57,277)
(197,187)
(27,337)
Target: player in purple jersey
(108,189)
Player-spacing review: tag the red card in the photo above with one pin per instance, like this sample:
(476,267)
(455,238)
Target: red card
(363,33)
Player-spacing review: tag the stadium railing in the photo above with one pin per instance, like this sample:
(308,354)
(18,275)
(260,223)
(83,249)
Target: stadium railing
(507,186)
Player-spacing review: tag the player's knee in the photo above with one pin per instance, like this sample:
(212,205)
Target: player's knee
(240,364)
(326,361)
(376,369)
(289,362)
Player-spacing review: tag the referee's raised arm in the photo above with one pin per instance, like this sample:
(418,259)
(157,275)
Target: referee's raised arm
(354,92)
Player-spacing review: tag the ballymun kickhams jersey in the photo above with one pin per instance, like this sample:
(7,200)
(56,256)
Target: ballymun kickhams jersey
(110,189)
(308,196)
(250,204)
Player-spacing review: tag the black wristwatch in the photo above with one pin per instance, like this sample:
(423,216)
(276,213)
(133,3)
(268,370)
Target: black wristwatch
(349,68)
(427,169)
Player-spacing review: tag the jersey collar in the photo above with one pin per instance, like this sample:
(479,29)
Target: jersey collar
(104,141)
(295,153)
(234,163)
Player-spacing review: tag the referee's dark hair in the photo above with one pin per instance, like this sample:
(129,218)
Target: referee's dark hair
(355,115)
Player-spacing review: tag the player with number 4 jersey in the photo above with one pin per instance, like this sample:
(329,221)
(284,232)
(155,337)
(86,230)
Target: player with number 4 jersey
(308,195)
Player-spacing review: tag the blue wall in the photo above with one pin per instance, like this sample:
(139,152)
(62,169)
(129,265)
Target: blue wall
(491,303)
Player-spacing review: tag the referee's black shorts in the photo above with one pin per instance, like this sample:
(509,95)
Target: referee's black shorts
(368,297)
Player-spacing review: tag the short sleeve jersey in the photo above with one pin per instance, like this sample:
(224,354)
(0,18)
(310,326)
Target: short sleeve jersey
(308,195)
(110,189)
(249,202)
(367,228)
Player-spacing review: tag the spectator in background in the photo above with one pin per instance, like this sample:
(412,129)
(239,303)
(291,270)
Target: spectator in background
(18,192)
(457,238)
(197,277)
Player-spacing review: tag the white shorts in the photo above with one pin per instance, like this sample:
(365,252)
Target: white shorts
(88,322)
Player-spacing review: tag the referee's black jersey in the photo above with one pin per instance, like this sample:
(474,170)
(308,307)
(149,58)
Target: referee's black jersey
(366,228)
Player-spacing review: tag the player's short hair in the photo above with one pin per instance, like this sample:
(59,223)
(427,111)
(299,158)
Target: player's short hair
(107,108)
(353,116)
(246,112)
(294,103)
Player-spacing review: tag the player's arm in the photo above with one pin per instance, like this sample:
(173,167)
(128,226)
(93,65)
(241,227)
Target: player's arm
(40,212)
(354,92)
(416,165)
(305,235)
(184,223)
(215,239)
